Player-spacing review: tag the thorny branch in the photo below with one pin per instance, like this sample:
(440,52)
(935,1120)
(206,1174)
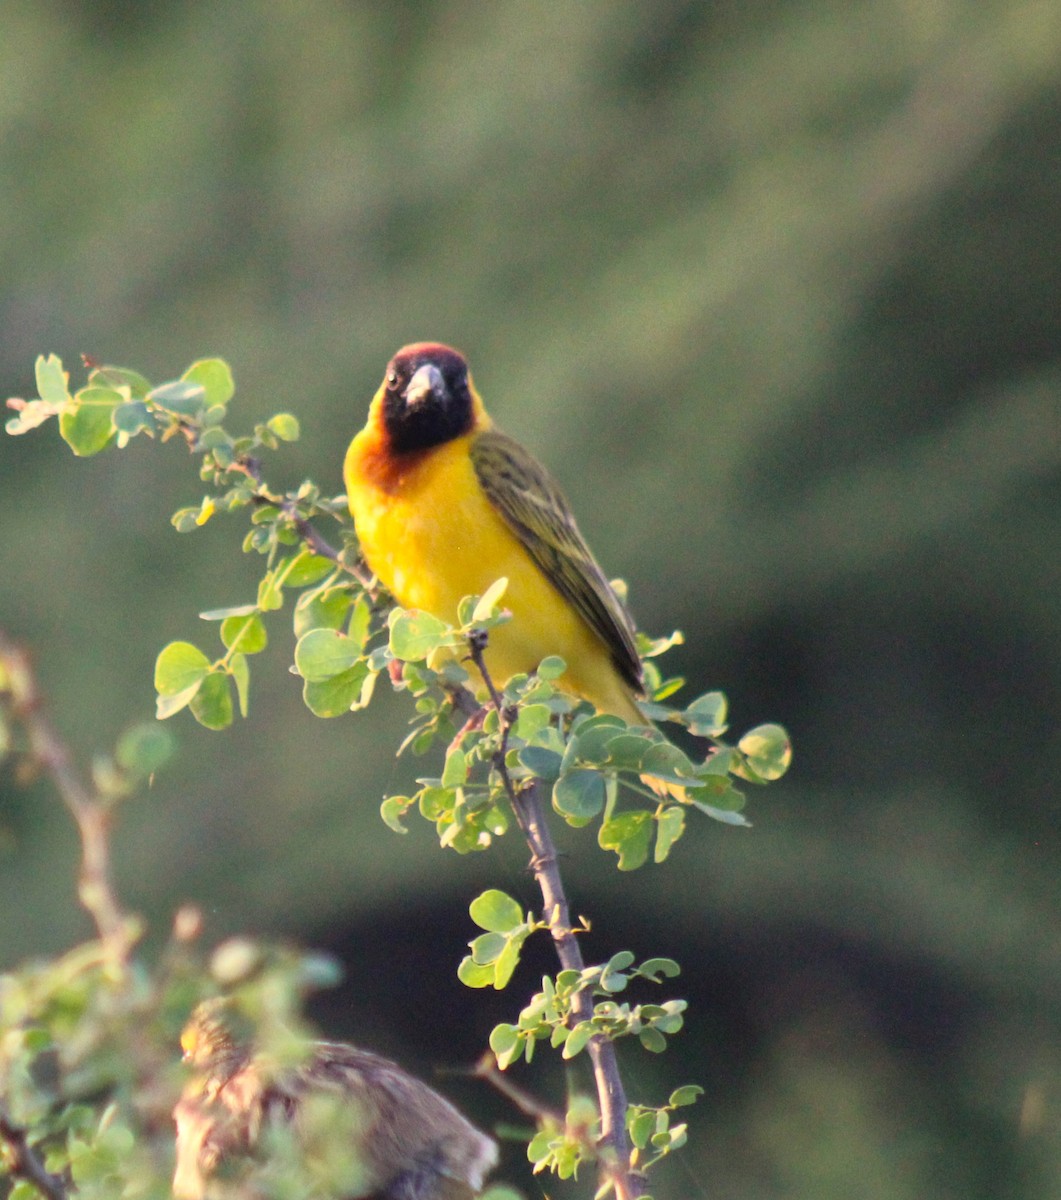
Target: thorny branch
(305,528)
(530,815)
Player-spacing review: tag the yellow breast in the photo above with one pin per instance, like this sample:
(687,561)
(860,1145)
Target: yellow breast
(432,536)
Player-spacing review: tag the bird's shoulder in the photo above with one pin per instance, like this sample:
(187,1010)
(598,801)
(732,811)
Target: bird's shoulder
(521,487)
(536,510)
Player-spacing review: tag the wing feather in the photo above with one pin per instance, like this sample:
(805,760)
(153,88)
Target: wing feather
(534,508)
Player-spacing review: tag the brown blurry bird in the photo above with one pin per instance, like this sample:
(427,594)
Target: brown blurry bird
(398,1139)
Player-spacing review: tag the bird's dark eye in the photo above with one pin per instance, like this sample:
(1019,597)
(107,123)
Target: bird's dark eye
(392,378)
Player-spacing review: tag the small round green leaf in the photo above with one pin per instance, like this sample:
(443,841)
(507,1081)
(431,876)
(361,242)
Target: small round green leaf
(285,426)
(653,968)
(180,397)
(214,377)
(619,961)
(143,749)
(486,947)
(578,796)
(86,423)
(626,751)
(507,961)
(131,417)
(670,827)
(594,734)
(641,1127)
(414,634)
(551,667)
(629,835)
(455,771)
(52,380)
(244,633)
(652,1040)
(540,1147)
(505,1043)
(768,749)
(665,761)
(475,975)
(577,1039)
(339,694)
(184,520)
(706,716)
(307,568)
(532,719)
(489,600)
(178,667)
(545,764)
(324,653)
(212,703)
(392,810)
(120,377)
(495,911)
(326,609)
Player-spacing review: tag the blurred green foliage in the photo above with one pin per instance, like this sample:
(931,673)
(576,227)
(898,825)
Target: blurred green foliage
(773,291)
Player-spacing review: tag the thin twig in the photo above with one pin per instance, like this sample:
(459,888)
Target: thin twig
(252,468)
(117,931)
(23,1163)
(530,816)
(316,541)
(477,646)
(486,1068)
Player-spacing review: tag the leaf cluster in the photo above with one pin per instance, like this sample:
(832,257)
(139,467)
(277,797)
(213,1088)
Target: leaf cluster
(504,743)
(552,1013)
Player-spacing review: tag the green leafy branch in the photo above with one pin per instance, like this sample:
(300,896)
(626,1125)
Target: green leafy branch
(651,1131)
(509,751)
(555,1012)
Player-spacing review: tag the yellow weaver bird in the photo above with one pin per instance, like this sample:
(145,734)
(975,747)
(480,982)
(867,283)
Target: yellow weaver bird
(445,504)
(363,1128)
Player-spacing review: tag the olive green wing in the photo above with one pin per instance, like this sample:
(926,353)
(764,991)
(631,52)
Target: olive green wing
(535,509)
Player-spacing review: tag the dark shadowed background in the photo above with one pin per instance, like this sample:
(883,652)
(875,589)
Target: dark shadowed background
(773,289)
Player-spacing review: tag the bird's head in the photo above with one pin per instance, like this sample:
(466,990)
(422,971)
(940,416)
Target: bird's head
(427,397)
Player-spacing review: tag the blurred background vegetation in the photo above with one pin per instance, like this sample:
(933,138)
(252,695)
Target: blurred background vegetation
(773,289)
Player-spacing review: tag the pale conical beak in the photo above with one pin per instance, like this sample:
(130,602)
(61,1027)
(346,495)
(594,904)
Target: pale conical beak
(426,381)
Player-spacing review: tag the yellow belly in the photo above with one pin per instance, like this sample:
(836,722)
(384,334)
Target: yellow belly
(436,538)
